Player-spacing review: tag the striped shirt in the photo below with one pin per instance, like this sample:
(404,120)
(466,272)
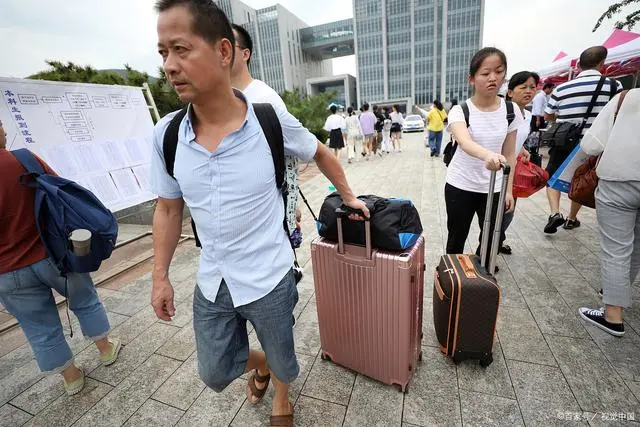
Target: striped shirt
(570,101)
(488,129)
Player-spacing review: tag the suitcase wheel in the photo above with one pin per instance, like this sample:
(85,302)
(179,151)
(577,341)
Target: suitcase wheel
(402,389)
(323,356)
(420,357)
(486,361)
(456,360)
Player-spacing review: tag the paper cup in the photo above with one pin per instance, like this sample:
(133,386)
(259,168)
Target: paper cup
(81,242)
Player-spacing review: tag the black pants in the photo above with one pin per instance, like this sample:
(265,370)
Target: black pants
(534,124)
(462,205)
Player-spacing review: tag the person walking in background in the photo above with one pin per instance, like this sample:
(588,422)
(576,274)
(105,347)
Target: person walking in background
(354,133)
(489,141)
(257,91)
(381,114)
(337,128)
(615,135)
(454,102)
(387,126)
(569,103)
(27,276)
(520,91)
(367,122)
(539,104)
(435,126)
(396,127)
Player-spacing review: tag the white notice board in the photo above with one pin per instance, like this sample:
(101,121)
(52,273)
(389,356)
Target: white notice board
(96,135)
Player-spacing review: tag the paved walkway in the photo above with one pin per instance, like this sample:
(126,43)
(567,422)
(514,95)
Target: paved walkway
(548,367)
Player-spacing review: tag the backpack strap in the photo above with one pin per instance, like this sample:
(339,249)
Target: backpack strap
(28,161)
(510,113)
(170,141)
(169,148)
(465,111)
(270,124)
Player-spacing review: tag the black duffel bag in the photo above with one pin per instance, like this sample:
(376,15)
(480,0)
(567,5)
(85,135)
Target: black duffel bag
(395,223)
(563,136)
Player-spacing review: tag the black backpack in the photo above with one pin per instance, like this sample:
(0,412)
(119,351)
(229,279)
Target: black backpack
(452,145)
(270,125)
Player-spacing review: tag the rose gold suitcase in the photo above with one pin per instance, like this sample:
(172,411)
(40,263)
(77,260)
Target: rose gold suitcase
(370,307)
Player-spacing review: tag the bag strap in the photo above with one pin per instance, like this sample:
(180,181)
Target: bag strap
(620,101)
(592,104)
(270,124)
(272,129)
(170,141)
(511,115)
(465,111)
(623,94)
(28,161)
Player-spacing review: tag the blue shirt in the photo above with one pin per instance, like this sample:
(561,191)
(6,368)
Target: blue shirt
(234,201)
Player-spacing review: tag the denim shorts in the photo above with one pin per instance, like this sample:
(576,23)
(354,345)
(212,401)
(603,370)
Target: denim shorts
(26,294)
(221,333)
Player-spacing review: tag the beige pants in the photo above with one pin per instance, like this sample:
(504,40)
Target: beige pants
(352,141)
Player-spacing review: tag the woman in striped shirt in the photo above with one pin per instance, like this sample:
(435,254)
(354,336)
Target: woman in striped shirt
(489,140)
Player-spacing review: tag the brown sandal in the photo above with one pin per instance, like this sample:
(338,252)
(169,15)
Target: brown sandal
(253,391)
(282,420)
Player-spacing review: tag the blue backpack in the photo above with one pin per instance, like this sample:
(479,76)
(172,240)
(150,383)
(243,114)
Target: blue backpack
(62,206)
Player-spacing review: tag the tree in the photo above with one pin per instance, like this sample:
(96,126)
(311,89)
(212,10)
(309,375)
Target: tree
(628,21)
(310,110)
(165,97)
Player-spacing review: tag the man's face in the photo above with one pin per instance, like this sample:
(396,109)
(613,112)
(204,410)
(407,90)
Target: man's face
(242,56)
(548,90)
(3,137)
(194,66)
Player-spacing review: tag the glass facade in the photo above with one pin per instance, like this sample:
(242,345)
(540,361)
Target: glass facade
(430,22)
(398,16)
(368,17)
(464,28)
(270,48)
(424,44)
(440,35)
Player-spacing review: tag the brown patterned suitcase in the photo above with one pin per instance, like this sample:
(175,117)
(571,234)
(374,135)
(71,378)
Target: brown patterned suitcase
(370,307)
(466,296)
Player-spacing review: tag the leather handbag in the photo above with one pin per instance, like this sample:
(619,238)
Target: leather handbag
(585,179)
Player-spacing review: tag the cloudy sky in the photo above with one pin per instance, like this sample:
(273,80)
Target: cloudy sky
(109,33)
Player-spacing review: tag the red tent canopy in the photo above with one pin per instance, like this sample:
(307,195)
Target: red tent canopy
(623,59)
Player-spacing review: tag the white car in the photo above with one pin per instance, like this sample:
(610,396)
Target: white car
(413,123)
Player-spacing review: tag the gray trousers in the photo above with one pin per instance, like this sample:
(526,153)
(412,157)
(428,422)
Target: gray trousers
(618,212)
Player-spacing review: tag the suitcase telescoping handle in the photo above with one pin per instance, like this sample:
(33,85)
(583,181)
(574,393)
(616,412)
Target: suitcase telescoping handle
(345,211)
(495,242)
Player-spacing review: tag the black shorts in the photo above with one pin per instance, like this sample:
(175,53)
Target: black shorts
(556,159)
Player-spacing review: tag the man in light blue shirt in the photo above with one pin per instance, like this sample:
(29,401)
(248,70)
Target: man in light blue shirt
(224,172)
